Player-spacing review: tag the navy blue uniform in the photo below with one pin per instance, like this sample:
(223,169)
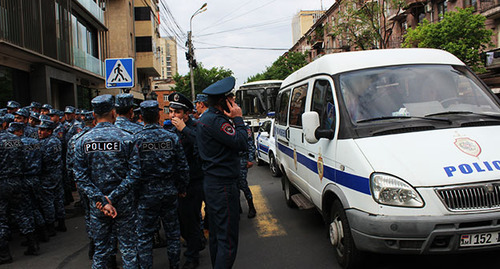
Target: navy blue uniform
(190,206)
(246,156)
(107,164)
(219,143)
(125,124)
(164,175)
(51,177)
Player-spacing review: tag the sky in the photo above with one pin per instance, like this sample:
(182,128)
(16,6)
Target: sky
(235,23)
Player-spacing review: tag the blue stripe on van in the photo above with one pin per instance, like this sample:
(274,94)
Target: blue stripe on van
(350,181)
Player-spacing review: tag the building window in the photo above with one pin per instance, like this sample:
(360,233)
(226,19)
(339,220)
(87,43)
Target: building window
(165,98)
(142,14)
(165,110)
(442,8)
(143,44)
(471,3)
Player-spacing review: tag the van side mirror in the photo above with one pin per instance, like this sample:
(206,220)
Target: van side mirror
(310,122)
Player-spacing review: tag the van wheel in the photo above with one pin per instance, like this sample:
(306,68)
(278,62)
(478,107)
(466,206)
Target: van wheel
(273,166)
(339,233)
(289,191)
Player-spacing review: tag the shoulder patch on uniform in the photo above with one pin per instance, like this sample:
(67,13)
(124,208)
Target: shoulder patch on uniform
(227,128)
(12,144)
(112,146)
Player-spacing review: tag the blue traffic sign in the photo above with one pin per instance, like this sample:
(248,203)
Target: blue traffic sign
(120,73)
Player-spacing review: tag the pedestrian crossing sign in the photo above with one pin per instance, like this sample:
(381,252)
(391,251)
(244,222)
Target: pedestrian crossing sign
(120,73)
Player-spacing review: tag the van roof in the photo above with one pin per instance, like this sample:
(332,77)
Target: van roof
(355,60)
(261,82)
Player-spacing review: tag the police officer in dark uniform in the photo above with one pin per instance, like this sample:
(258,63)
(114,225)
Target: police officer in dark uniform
(107,168)
(125,112)
(45,109)
(165,176)
(190,206)
(33,121)
(51,174)
(219,142)
(12,107)
(35,107)
(22,116)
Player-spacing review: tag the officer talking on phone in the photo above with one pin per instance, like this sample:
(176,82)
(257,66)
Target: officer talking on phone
(219,142)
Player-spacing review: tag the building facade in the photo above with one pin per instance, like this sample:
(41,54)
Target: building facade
(320,39)
(52,51)
(303,22)
(168,54)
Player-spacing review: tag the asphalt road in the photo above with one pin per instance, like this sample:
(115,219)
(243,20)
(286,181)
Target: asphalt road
(279,237)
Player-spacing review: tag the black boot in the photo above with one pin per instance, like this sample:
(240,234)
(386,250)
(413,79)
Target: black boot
(5,256)
(91,249)
(112,262)
(32,245)
(251,209)
(43,234)
(158,241)
(61,225)
(51,230)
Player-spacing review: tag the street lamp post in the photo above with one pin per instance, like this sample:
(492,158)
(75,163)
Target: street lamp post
(190,55)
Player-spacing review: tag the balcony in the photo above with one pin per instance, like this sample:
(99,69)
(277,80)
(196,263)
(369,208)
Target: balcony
(93,8)
(490,9)
(88,62)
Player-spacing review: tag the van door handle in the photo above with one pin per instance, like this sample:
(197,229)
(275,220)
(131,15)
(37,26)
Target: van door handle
(311,155)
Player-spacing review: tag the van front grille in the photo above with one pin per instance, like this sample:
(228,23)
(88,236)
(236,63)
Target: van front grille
(471,197)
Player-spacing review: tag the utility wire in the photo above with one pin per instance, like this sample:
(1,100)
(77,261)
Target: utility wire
(241,15)
(238,47)
(283,20)
(227,15)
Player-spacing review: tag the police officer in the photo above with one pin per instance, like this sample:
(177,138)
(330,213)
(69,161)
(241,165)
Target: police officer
(51,173)
(201,103)
(106,169)
(12,107)
(33,121)
(165,176)
(190,206)
(26,208)
(219,142)
(59,128)
(70,153)
(11,156)
(45,109)
(125,113)
(22,116)
(35,107)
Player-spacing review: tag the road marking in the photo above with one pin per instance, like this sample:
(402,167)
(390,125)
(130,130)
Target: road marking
(267,225)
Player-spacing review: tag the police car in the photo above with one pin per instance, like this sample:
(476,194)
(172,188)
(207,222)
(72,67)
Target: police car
(266,147)
(398,149)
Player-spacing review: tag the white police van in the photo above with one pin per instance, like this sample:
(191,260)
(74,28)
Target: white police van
(398,149)
(266,146)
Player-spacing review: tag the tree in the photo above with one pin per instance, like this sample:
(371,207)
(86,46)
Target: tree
(282,67)
(364,24)
(461,33)
(202,78)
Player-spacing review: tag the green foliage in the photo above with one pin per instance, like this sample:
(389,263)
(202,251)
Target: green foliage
(282,67)
(461,33)
(364,25)
(202,78)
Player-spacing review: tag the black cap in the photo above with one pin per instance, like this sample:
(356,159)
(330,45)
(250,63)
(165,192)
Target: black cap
(46,124)
(15,126)
(35,115)
(69,110)
(35,105)
(178,100)
(103,104)
(47,106)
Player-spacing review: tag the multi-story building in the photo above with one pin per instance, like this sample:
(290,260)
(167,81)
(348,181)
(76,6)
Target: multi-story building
(162,88)
(303,22)
(52,51)
(320,39)
(133,33)
(168,55)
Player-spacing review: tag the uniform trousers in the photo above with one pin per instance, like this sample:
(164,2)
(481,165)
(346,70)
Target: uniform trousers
(104,229)
(222,199)
(190,219)
(155,201)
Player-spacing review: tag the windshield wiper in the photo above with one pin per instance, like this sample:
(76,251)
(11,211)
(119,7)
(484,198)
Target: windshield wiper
(497,116)
(404,117)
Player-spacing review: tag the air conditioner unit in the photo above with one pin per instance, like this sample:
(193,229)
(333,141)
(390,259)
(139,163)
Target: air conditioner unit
(428,8)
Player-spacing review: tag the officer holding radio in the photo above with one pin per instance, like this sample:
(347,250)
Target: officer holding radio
(219,142)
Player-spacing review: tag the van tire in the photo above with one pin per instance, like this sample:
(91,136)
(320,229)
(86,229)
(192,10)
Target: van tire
(346,253)
(289,190)
(273,166)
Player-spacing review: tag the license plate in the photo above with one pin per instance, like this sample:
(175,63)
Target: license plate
(480,239)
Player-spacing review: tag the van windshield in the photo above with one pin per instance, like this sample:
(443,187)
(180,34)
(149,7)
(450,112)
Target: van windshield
(413,91)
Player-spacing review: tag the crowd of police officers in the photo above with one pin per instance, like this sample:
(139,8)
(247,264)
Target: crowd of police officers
(133,176)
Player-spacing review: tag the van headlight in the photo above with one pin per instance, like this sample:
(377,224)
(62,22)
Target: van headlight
(390,190)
